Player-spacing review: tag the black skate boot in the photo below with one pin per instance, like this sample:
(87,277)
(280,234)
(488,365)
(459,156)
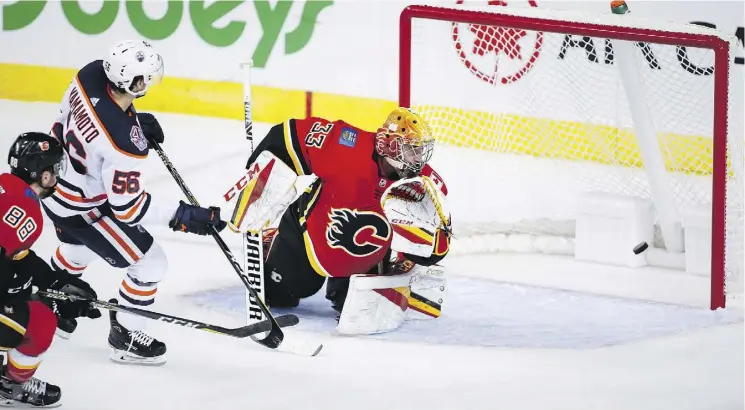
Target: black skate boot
(31,393)
(134,347)
(65,327)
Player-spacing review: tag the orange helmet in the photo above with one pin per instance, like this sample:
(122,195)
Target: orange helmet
(406,140)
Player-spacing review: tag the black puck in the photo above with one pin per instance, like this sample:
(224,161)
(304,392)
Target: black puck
(640,248)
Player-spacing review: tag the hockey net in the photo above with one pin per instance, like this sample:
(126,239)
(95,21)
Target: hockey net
(539,94)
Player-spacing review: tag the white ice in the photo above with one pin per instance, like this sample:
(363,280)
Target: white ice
(507,339)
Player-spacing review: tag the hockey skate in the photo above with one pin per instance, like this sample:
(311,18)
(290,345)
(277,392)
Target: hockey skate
(134,347)
(31,393)
(65,327)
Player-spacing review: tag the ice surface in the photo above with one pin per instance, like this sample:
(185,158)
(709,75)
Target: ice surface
(653,355)
(479,312)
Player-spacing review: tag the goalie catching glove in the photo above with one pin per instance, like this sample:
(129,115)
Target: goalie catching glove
(421,224)
(269,188)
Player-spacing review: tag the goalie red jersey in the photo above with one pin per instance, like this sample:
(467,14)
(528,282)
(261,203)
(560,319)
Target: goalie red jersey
(346,231)
(22,220)
(333,223)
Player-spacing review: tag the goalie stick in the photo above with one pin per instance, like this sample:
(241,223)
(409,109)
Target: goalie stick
(253,244)
(253,247)
(240,332)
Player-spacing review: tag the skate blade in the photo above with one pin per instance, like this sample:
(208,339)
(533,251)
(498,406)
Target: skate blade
(123,357)
(62,334)
(15,404)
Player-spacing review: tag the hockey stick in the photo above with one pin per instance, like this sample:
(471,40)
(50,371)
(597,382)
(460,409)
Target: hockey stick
(240,332)
(275,336)
(253,246)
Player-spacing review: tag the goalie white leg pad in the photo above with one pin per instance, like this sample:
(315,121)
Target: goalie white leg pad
(378,304)
(375,304)
(427,287)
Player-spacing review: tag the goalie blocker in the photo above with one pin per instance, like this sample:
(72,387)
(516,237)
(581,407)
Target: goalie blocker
(330,189)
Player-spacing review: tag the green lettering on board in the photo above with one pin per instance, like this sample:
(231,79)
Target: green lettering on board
(158,28)
(272,21)
(21,13)
(93,23)
(204,17)
(297,39)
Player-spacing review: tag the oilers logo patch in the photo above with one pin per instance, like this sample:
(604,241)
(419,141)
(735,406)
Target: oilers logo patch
(138,138)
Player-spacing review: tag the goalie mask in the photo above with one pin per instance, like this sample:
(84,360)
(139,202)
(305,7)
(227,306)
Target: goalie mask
(406,141)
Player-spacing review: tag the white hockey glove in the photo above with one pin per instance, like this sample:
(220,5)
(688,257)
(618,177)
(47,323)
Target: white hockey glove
(416,210)
(266,191)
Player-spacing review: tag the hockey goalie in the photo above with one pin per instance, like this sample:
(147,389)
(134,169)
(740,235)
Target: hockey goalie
(361,211)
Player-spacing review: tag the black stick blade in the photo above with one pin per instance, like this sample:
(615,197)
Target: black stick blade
(265,326)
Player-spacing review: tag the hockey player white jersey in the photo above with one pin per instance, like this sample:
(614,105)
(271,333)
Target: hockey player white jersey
(106,154)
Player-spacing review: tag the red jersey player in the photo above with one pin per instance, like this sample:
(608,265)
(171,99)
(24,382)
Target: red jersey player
(337,226)
(27,324)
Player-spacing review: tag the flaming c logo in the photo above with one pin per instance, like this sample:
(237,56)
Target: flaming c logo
(359,233)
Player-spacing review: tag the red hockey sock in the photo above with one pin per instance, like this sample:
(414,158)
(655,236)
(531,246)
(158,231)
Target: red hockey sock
(24,359)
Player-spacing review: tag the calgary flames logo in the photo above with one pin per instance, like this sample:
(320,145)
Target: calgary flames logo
(359,233)
(498,54)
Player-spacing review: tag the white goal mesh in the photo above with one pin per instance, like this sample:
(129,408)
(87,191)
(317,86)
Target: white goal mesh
(541,94)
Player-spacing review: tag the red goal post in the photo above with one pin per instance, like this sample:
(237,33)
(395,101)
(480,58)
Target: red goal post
(717,160)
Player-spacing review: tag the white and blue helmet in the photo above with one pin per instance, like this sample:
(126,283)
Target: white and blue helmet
(130,59)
